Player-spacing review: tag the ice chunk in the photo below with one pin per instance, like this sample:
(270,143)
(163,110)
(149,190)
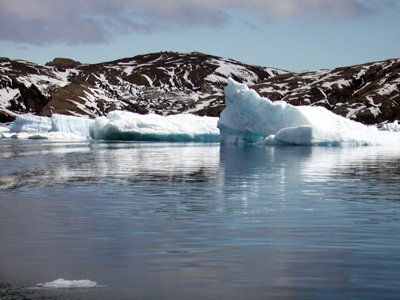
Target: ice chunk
(31,124)
(4,132)
(58,127)
(4,129)
(54,136)
(71,124)
(118,125)
(395,126)
(62,283)
(122,125)
(249,118)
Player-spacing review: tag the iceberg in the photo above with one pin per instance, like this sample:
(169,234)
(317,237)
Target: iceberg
(123,125)
(62,283)
(394,126)
(250,118)
(31,124)
(56,127)
(71,124)
(117,125)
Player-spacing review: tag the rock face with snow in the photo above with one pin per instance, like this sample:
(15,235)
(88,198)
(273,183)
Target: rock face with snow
(171,83)
(368,93)
(163,83)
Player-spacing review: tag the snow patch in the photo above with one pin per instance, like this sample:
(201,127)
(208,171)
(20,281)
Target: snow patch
(8,94)
(128,70)
(44,83)
(226,68)
(387,89)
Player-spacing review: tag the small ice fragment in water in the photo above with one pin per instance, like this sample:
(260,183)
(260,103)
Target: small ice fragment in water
(62,283)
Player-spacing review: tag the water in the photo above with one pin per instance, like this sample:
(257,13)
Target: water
(179,221)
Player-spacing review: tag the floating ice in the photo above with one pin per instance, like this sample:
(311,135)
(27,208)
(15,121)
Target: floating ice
(71,124)
(395,126)
(4,132)
(62,283)
(122,125)
(53,136)
(57,127)
(118,125)
(249,118)
(31,124)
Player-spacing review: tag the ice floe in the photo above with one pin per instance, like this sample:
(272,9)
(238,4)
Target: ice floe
(120,125)
(117,125)
(62,283)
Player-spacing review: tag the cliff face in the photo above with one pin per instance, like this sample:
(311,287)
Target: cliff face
(170,83)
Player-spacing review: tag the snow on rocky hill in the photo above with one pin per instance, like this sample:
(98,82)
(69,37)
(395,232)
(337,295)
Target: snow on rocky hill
(163,83)
(170,83)
(368,93)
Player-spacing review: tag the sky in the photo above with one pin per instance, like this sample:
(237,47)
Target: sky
(294,35)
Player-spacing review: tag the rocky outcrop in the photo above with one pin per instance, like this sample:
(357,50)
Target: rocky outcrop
(368,93)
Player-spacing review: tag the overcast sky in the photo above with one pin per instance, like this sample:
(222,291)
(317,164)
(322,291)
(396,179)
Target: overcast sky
(289,34)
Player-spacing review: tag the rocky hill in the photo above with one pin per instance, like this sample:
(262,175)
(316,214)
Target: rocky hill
(163,83)
(368,93)
(170,83)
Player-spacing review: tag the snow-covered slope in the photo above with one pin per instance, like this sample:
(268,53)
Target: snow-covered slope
(26,87)
(368,93)
(163,83)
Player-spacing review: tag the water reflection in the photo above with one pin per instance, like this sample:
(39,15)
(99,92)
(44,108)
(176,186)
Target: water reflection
(34,164)
(282,173)
(43,165)
(177,220)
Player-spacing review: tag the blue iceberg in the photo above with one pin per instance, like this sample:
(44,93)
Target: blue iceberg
(250,118)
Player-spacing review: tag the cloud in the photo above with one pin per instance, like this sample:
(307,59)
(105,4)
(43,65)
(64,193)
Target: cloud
(97,21)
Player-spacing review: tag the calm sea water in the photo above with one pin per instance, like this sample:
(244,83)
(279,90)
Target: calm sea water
(200,221)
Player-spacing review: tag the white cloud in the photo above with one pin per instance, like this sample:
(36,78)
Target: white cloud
(95,21)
